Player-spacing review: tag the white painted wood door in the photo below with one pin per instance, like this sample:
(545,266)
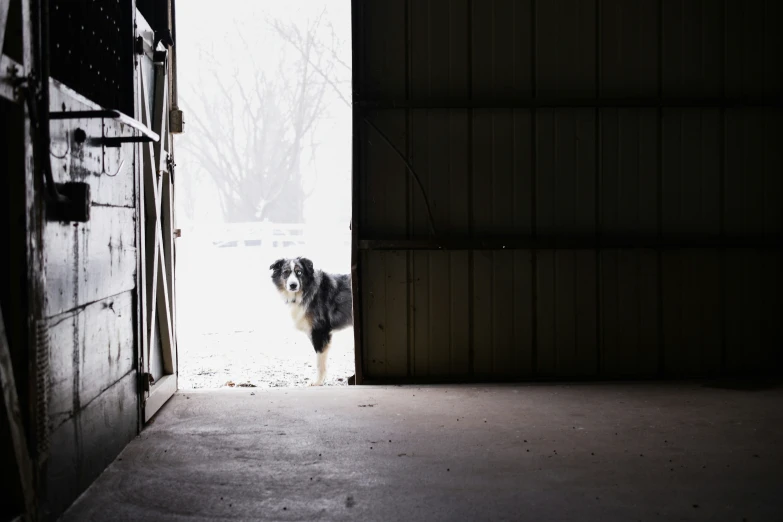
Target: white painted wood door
(156,197)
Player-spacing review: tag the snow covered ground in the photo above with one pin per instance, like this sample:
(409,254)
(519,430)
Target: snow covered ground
(233,329)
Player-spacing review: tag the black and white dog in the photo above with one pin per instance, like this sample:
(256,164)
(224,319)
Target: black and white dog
(320,303)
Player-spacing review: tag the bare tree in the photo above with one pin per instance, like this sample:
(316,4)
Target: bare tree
(252,130)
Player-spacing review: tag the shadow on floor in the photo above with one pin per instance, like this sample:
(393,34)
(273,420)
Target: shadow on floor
(744,384)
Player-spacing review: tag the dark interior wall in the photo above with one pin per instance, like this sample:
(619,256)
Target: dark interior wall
(604,179)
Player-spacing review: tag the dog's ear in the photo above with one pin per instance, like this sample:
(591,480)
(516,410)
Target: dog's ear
(307,264)
(277,265)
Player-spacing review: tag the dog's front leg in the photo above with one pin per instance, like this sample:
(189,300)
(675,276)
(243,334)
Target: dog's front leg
(321,342)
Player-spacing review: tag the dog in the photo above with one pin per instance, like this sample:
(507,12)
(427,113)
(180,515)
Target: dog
(320,303)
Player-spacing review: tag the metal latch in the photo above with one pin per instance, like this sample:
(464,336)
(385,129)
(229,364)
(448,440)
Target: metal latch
(147,380)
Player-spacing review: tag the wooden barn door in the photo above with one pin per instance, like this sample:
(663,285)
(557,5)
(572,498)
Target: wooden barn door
(156,191)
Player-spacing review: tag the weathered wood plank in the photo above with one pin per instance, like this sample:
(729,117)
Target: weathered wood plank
(82,447)
(85,262)
(93,348)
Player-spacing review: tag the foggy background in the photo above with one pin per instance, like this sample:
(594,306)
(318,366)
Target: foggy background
(263,171)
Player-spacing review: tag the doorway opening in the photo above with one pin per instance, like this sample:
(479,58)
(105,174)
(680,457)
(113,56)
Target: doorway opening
(264,172)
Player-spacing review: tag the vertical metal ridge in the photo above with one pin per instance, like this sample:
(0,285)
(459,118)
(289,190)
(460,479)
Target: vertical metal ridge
(492,184)
(533,195)
(471,278)
(449,200)
(514,202)
(598,199)
(451,313)
(429,308)
(722,195)
(409,256)
(659,203)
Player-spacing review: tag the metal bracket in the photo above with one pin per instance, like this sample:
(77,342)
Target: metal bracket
(74,205)
(165,38)
(176,121)
(147,380)
(138,46)
(147,135)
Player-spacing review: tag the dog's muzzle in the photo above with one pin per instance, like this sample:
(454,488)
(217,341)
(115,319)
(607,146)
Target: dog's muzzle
(293,287)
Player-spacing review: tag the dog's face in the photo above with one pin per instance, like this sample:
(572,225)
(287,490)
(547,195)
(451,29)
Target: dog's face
(292,275)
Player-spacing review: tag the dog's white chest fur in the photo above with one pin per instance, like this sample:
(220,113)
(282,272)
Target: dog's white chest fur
(299,315)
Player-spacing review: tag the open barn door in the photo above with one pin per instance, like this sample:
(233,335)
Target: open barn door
(156,191)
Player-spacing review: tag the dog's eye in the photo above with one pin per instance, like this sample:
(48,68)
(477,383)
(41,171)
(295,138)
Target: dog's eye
(286,273)
(298,272)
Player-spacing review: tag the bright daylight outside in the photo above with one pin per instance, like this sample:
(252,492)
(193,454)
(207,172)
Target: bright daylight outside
(263,172)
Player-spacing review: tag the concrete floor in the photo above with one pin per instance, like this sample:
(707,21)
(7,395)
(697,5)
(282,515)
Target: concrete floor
(539,452)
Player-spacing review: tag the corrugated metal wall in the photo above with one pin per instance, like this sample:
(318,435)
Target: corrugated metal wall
(604,179)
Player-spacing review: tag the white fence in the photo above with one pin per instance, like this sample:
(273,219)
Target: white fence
(269,235)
